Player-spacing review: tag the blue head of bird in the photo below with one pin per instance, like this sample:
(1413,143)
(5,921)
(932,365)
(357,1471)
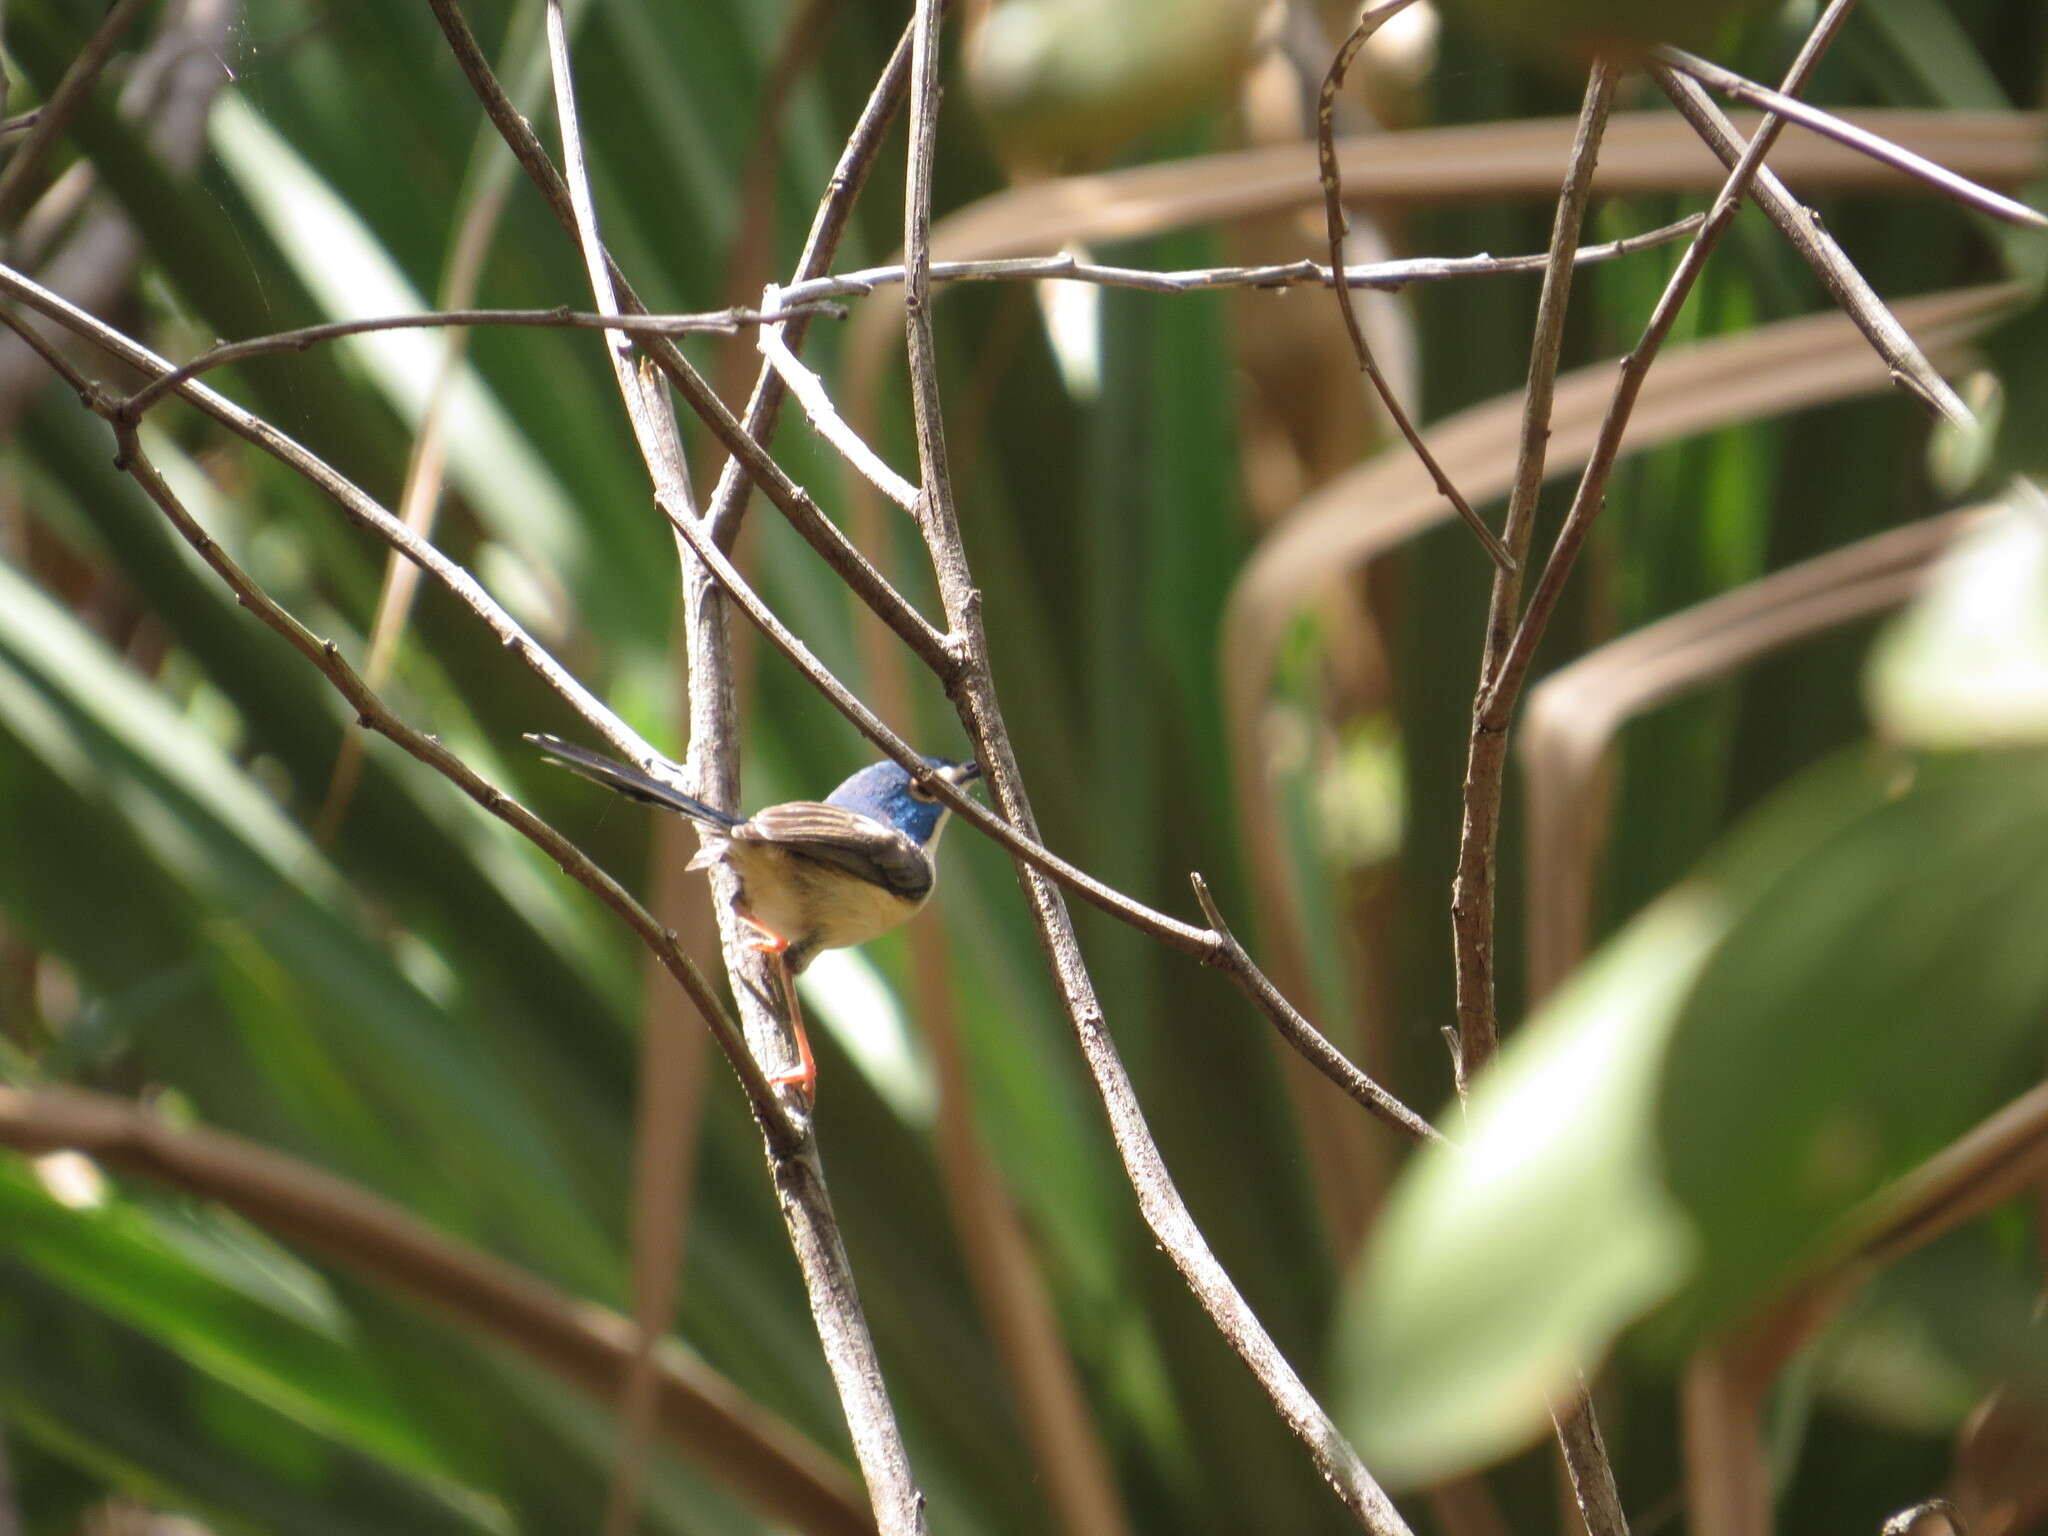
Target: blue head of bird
(887,792)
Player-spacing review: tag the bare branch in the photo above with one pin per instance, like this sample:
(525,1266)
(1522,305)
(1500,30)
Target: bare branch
(1897,156)
(1499,701)
(720,322)
(1587,1462)
(1802,227)
(828,224)
(815,1240)
(1472,888)
(795,504)
(808,300)
(1370,21)
(56,113)
(975,697)
(810,392)
(1390,276)
(1313,1045)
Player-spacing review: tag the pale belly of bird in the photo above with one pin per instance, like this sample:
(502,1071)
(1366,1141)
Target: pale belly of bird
(811,904)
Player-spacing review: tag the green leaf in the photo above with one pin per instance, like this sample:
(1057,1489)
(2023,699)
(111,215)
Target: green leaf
(1875,998)
(1697,1109)
(1967,664)
(1508,1260)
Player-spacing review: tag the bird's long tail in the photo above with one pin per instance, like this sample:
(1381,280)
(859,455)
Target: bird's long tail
(629,781)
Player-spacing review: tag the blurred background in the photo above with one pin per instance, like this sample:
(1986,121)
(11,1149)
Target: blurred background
(1231,635)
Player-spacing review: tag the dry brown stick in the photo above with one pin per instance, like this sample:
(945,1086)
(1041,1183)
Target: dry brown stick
(856,160)
(1498,703)
(975,697)
(70,94)
(1592,1476)
(1370,20)
(1304,1037)
(719,322)
(1472,888)
(703,1415)
(1586,1461)
(1830,263)
(1388,276)
(1784,106)
(656,1252)
(812,302)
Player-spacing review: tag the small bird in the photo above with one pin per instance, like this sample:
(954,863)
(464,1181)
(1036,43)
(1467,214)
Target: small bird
(814,874)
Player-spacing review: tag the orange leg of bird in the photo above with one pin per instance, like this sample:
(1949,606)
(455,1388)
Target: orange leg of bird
(806,1074)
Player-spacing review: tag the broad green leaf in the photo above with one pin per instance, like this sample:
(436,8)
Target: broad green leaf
(1874,998)
(1856,980)
(1511,1258)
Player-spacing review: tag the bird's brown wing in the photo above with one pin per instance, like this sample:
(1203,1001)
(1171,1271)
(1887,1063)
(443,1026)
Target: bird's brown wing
(849,840)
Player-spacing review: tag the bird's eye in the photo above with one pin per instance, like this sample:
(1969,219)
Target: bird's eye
(919,792)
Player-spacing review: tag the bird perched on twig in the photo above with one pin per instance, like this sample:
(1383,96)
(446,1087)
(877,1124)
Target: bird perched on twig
(814,874)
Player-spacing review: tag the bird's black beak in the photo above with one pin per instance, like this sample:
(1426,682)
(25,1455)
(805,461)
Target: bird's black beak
(959,774)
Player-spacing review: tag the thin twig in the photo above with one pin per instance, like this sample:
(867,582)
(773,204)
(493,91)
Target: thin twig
(974,694)
(828,224)
(1783,105)
(809,300)
(824,416)
(1587,1461)
(56,113)
(1473,888)
(654,431)
(1370,21)
(360,507)
(1387,276)
(1501,694)
(793,501)
(1304,1037)
(1801,226)
(721,322)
